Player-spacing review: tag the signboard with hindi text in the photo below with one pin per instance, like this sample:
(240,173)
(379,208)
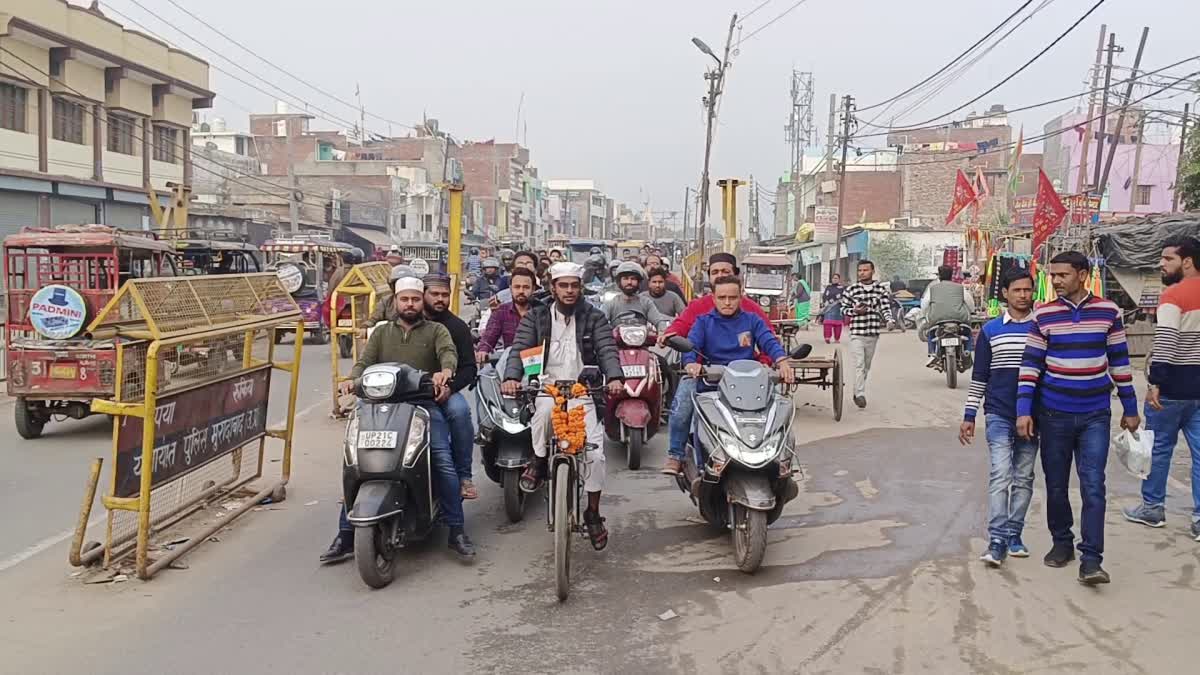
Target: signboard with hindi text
(825,224)
(193,428)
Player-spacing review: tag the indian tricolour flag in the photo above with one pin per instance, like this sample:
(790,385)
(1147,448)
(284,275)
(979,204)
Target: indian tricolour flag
(532,359)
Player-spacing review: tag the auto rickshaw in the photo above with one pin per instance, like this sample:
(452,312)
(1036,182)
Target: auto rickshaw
(58,278)
(215,254)
(309,267)
(425,256)
(768,281)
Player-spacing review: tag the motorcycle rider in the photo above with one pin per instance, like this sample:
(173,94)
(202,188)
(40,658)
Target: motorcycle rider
(488,284)
(426,346)
(728,334)
(629,277)
(572,334)
(502,326)
(507,257)
(474,262)
(720,265)
(455,407)
(385,308)
(394,257)
(654,262)
(556,255)
(945,300)
(669,304)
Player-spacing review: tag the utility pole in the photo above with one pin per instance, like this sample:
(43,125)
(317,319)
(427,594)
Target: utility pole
(687,198)
(847,115)
(716,83)
(1112,49)
(1137,164)
(1183,134)
(798,133)
(293,182)
(1112,149)
(1081,182)
(829,145)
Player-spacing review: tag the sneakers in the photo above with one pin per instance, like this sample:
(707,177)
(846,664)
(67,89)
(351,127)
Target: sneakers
(341,549)
(1196,530)
(1092,574)
(1060,554)
(995,554)
(672,467)
(860,401)
(1016,547)
(1153,516)
(461,544)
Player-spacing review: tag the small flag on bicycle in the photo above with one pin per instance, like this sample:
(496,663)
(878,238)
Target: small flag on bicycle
(531,360)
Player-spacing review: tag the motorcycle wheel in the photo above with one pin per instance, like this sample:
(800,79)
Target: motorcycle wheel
(749,538)
(514,498)
(376,564)
(951,370)
(345,346)
(562,530)
(633,449)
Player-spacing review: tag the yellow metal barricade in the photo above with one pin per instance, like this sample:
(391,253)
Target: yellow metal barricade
(365,288)
(195,357)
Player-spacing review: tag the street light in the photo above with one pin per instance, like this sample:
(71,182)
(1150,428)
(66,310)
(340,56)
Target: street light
(706,49)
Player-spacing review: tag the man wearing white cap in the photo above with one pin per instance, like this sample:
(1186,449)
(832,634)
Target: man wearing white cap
(394,257)
(571,334)
(425,345)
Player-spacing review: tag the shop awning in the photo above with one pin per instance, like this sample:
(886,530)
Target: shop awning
(377,238)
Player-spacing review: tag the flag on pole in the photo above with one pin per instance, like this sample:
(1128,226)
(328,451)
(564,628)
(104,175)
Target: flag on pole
(964,196)
(1048,214)
(1014,170)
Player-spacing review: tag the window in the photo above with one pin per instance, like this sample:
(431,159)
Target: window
(404,221)
(240,145)
(12,107)
(428,222)
(1143,195)
(68,121)
(165,141)
(121,131)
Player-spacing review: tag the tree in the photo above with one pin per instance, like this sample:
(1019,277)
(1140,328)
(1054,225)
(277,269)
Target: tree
(893,255)
(1189,173)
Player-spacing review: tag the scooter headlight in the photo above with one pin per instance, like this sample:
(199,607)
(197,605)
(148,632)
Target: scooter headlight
(415,442)
(378,384)
(632,336)
(351,444)
(751,457)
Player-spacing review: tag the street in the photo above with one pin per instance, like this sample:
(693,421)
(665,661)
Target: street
(873,568)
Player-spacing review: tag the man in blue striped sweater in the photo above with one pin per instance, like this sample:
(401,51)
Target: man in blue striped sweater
(998,353)
(1076,351)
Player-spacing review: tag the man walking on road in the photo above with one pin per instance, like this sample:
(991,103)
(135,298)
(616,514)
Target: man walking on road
(1075,352)
(1173,399)
(865,302)
(994,382)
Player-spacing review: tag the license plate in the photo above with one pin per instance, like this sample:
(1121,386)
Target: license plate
(63,372)
(377,439)
(345,323)
(634,371)
(949,342)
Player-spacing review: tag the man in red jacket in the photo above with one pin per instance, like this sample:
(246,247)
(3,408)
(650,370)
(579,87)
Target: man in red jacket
(682,409)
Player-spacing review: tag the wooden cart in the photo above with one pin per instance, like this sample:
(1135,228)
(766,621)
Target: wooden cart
(824,372)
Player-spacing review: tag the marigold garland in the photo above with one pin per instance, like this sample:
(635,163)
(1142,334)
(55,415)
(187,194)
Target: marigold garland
(568,425)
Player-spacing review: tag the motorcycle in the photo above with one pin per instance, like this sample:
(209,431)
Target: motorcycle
(951,346)
(504,434)
(633,416)
(387,477)
(740,458)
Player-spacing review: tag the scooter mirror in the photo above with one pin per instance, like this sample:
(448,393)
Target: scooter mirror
(801,351)
(680,344)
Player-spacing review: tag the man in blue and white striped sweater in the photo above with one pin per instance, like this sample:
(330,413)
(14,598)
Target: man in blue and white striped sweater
(998,354)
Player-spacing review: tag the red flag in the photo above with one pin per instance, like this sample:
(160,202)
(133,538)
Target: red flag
(964,196)
(1048,214)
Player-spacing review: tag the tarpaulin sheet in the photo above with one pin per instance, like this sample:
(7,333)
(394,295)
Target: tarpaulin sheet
(1138,242)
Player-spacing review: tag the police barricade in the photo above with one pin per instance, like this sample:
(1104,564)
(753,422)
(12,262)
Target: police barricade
(195,357)
(365,288)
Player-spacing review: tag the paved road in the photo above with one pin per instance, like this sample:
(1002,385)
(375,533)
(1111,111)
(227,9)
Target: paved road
(872,569)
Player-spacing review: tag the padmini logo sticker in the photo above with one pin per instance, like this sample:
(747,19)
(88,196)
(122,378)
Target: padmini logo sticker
(57,312)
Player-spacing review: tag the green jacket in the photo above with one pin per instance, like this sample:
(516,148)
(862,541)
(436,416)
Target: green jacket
(428,347)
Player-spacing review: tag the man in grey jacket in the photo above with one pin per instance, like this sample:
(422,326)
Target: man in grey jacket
(945,300)
(566,335)
(629,277)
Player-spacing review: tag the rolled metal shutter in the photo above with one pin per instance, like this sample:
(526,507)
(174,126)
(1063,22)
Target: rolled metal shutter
(125,216)
(71,212)
(17,210)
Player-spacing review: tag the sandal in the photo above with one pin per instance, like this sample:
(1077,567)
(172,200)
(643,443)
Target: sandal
(531,480)
(597,533)
(467,490)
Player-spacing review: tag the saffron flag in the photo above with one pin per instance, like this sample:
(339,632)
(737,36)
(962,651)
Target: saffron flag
(1014,170)
(1047,215)
(964,196)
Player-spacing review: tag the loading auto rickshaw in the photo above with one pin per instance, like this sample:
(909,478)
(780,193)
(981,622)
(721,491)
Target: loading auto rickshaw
(58,278)
(309,267)
(425,256)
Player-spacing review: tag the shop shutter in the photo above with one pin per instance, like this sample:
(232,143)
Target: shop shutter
(125,216)
(17,210)
(71,212)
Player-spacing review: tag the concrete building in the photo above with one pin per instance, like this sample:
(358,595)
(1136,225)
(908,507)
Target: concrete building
(872,184)
(494,175)
(90,114)
(583,210)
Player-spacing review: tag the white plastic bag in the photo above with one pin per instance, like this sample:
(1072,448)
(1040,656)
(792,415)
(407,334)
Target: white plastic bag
(1135,451)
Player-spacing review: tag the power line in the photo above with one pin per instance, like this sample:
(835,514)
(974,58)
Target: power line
(747,15)
(766,25)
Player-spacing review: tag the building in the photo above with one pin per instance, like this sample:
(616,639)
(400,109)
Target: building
(494,177)
(90,114)
(872,183)
(582,209)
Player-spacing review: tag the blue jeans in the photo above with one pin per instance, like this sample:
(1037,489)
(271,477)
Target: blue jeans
(1010,480)
(933,340)
(445,477)
(680,423)
(1084,438)
(1166,424)
(462,433)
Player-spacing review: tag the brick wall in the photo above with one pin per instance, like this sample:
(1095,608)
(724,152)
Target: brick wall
(877,193)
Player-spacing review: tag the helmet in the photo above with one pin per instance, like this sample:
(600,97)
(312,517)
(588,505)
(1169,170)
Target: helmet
(629,267)
(474,251)
(595,260)
(401,271)
(490,262)
(507,255)
(613,263)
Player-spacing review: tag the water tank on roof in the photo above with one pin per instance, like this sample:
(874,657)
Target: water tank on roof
(218,124)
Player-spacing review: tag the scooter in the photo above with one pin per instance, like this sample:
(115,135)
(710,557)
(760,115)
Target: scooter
(633,416)
(386,478)
(741,457)
(505,440)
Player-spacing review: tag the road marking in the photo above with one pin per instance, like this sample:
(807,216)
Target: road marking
(52,541)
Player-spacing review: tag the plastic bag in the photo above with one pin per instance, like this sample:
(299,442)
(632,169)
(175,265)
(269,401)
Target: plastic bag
(1135,451)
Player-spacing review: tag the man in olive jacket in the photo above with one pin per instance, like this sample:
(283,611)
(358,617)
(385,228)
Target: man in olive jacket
(568,334)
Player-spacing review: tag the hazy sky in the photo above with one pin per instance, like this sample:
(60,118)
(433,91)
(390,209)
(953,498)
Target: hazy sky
(612,88)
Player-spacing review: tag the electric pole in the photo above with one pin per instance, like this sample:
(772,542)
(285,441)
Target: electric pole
(1081,181)
(1183,137)
(1112,49)
(687,198)
(829,146)
(847,119)
(798,133)
(1112,149)
(716,84)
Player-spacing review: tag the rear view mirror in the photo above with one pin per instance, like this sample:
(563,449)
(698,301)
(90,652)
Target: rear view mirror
(680,344)
(801,351)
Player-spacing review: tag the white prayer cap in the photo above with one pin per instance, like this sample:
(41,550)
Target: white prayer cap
(409,284)
(565,269)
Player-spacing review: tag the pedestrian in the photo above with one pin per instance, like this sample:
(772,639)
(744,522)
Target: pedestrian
(1075,352)
(865,302)
(998,356)
(831,309)
(1173,399)
(802,298)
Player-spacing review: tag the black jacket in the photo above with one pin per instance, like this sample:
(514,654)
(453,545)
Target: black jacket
(464,344)
(593,334)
